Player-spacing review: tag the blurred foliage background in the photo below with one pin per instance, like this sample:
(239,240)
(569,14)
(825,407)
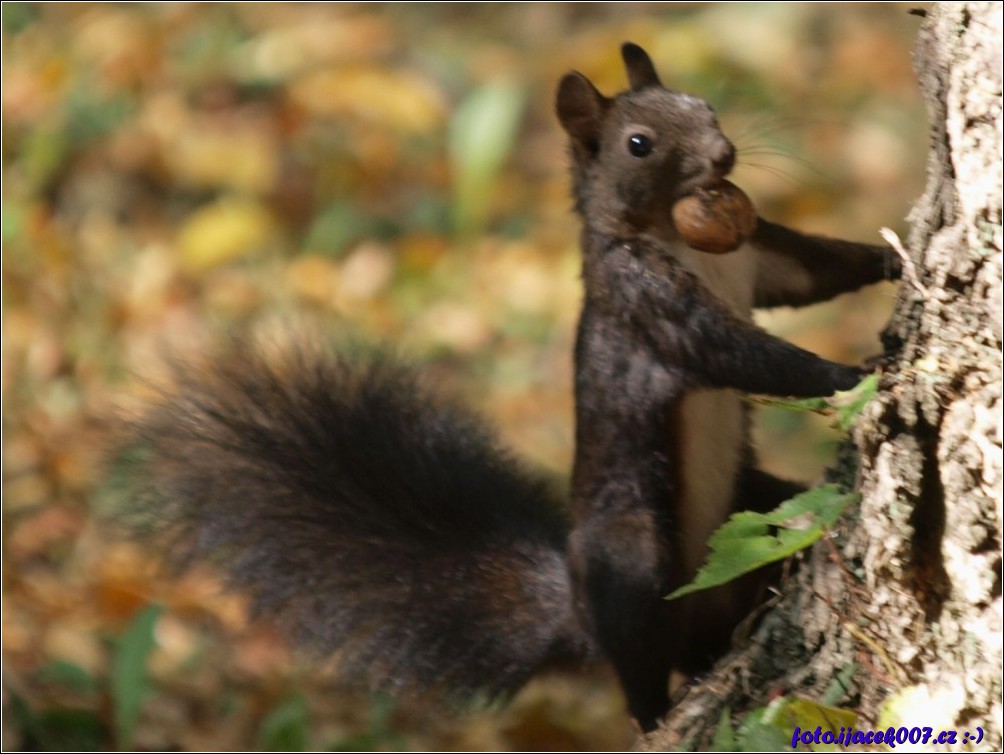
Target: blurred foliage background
(387,170)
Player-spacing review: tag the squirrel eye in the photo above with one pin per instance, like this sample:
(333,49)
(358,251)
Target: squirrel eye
(639,145)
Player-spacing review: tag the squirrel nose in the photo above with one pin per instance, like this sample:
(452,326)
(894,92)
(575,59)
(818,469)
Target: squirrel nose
(723,157)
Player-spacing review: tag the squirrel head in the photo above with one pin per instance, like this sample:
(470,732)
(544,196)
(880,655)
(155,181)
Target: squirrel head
(634,155)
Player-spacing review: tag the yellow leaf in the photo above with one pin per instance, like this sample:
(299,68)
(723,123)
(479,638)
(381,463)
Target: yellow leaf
(223,231)
(938,704)
(313,278)
(374,95)
(237,157)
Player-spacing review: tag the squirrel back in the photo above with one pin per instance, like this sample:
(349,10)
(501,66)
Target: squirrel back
(364,513)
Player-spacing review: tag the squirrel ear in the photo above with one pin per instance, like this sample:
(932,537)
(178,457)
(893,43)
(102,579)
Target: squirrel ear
(581,108)
(641,73)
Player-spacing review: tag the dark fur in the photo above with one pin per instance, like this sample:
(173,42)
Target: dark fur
(651,332)
(362,512)
(380,523)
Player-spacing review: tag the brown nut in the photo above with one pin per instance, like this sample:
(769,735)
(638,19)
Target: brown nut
(717,220)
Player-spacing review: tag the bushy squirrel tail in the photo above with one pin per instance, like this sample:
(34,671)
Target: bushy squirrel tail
(365,514)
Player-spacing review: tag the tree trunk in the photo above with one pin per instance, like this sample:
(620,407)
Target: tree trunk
(902,605)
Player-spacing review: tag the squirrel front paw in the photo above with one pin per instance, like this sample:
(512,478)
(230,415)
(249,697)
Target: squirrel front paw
(846,377)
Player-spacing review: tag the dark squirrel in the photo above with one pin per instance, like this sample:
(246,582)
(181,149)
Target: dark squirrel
(379,522)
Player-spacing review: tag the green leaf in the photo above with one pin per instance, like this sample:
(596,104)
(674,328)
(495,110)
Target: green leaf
(790,713)
(18,16)
(482,134)
(12,221)
(68,730)
(771,728)
(379,736)
(847,405)
(856,400)
(808,715)
(129,680)
(798,405)
(748,540)
(342,224)
(43,152)
(725,737)
(70,675)
(758,732)
(55,729)
(839,688)
(285,727)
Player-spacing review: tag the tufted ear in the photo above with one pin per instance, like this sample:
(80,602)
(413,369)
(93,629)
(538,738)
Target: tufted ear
(581,108)
(641,73)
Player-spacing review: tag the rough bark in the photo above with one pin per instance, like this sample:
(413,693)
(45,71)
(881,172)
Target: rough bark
(908,591)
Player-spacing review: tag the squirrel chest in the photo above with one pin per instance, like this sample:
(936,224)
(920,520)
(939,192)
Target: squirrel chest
(710,425)
(636,408)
